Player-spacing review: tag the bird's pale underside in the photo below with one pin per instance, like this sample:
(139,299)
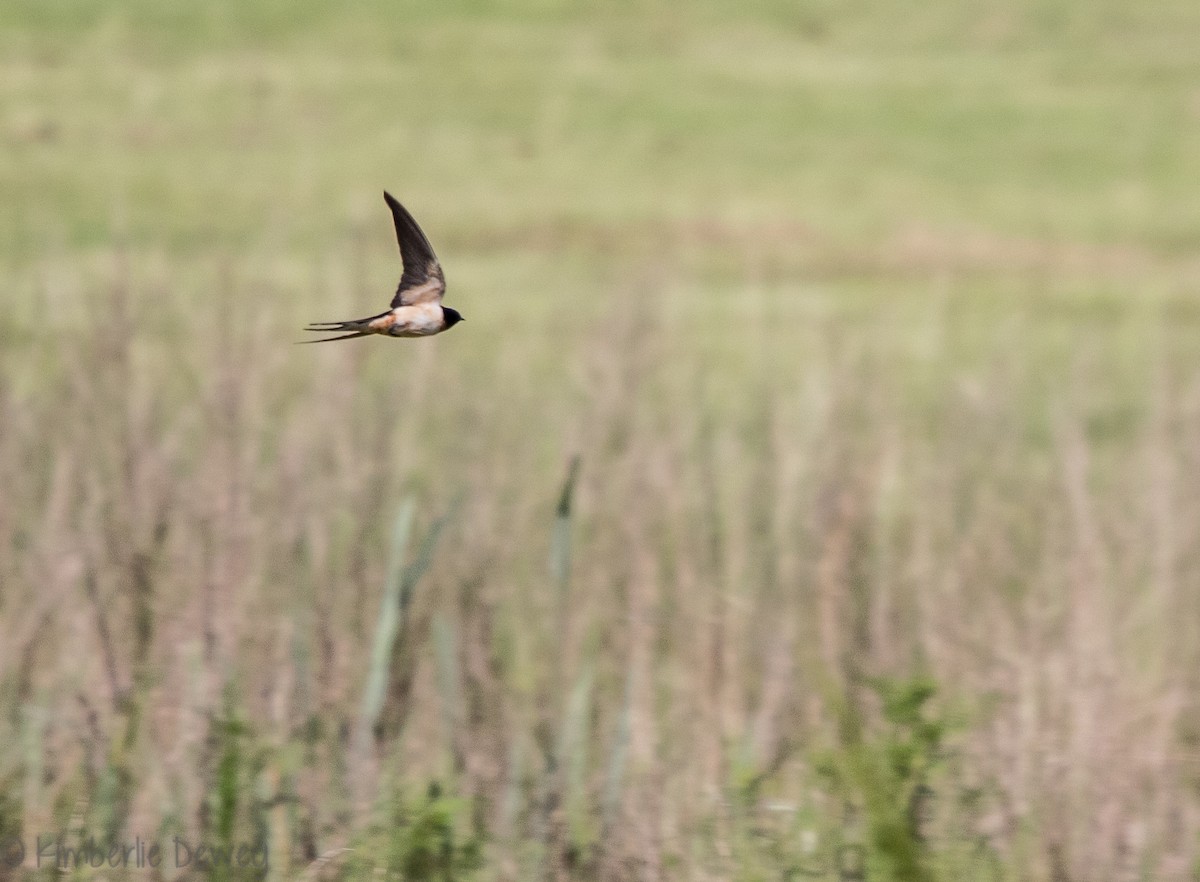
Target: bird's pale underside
(416,309)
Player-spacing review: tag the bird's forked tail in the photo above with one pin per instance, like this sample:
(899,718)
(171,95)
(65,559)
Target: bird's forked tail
(357,328)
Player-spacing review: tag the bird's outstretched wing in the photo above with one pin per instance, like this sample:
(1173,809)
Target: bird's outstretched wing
(422,281)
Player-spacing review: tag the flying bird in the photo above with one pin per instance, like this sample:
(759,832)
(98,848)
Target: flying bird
(416,310)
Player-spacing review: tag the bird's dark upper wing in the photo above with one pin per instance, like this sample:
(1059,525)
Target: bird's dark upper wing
(422,281)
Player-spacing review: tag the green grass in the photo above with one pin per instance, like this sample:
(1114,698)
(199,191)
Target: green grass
(873,328)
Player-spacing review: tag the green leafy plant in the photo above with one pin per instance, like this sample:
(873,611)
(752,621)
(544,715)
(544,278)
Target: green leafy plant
(885,772)
(419,839)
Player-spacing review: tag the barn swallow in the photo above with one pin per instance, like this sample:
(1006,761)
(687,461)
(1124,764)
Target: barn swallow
(416,310)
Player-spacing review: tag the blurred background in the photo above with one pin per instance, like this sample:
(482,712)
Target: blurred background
(811,492)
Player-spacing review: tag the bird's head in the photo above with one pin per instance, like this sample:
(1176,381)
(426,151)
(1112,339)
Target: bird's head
(451,316)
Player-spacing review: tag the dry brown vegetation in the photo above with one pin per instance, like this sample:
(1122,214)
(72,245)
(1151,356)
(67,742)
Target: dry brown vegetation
(739,563)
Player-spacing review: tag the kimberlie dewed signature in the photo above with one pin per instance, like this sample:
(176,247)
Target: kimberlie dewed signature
(55,850)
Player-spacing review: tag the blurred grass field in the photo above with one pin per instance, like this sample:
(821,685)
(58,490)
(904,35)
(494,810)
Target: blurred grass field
(874,330)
